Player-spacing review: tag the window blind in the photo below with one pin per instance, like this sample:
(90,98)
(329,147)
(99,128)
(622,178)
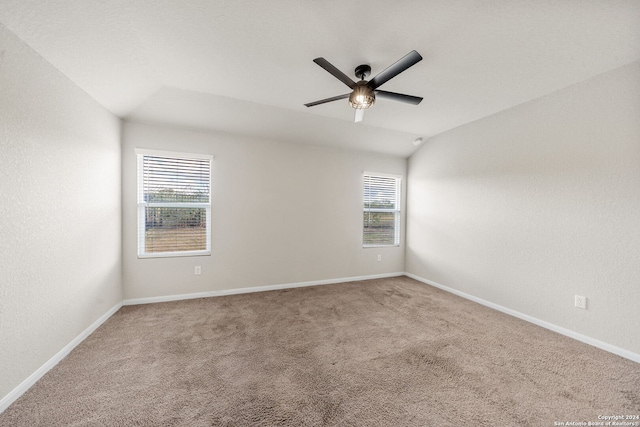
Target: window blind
(174,205)
(381,210)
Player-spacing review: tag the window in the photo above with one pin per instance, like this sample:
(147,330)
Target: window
(381,210)
(174,204)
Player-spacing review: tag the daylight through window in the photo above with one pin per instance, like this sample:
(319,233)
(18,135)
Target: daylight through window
(174,204)
(381,210)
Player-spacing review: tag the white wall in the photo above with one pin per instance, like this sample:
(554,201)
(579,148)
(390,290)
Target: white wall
(538,203)
(282,213)
(60,267)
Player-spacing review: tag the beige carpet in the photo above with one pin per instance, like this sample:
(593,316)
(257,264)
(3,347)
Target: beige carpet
(388,352)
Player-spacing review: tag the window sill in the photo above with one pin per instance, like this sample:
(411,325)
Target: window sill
(174,254)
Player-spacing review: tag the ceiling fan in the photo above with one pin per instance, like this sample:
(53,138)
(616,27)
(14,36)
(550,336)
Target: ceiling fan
(363,94)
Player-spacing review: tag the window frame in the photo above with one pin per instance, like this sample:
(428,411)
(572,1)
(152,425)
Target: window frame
(142,204)
(396,211)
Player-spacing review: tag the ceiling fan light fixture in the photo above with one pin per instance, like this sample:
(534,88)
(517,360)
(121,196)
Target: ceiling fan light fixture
(362,96)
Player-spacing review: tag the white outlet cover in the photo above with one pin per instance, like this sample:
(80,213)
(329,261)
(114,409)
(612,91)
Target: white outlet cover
(580,301)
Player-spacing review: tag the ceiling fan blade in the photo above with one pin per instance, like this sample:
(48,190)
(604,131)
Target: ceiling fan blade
(359,115)
(402,64)
(398,97)
(323,101)
(335,72)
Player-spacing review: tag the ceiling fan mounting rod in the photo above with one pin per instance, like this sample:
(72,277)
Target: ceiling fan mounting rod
(363,71)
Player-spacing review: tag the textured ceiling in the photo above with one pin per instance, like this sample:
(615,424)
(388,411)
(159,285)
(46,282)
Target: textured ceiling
(246,66)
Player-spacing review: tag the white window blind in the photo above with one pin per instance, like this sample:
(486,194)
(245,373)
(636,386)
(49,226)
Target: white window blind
(381,209)
(174,204)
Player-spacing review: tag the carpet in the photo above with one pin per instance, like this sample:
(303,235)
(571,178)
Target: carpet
(384,352)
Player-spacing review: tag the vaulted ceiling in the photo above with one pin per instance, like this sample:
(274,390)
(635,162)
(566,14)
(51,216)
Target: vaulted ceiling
(245,66)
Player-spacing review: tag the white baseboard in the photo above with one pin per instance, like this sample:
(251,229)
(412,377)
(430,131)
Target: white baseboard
(555,328)
(33,378)
(150,300)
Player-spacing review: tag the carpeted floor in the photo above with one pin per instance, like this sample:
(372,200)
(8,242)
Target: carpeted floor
(388,352)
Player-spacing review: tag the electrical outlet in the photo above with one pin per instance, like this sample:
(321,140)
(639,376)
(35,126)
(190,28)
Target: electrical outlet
(379,257)
(197,270)
(581,302)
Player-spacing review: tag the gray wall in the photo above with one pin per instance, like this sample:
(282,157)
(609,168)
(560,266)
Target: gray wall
(538,203)
(282,213)
(60,268)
